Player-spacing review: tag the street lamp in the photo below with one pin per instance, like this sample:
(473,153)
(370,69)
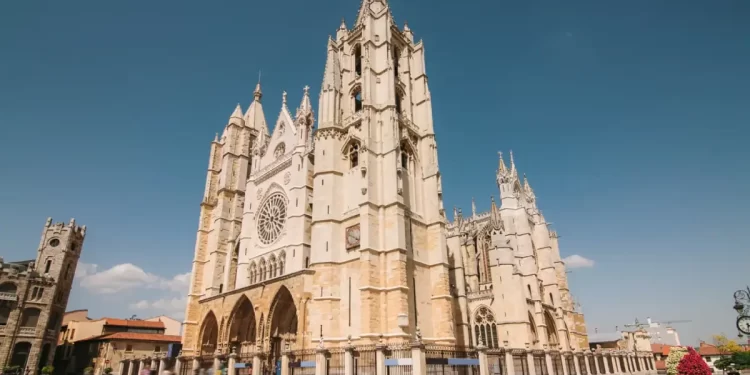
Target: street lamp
(742,306)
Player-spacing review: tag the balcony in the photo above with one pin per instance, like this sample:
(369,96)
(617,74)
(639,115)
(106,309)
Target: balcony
(5,296)
(353,119)
(27,331)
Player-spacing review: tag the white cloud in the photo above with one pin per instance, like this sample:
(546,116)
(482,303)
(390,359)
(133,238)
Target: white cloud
(120,278)
(174,307)
(577,261)
(85,269)
(179,283)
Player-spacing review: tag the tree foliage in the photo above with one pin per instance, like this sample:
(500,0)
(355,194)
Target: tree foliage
(693,364)
(673,360)
(46,370)
(737,361)
(725,345)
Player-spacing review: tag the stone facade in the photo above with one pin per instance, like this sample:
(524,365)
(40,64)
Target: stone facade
(34,294)
(338,236)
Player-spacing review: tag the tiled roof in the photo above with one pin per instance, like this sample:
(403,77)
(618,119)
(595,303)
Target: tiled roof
(133,336)
(710,350)
(133,323)
(661,348)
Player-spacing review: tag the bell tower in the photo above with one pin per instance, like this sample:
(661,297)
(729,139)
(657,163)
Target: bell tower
(378,235)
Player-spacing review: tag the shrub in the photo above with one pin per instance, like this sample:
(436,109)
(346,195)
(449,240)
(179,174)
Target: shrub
(46,370)
(673,360)
(693,364)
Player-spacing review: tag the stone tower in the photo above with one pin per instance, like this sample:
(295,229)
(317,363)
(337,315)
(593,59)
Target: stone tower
(377,186)
(308,236)
(34,295)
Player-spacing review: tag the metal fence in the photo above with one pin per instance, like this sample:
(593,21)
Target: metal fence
(520,364)
(365,360)
(540,364)
(496,362)
(302,362)
(335,362)
(450,360)
(398,360)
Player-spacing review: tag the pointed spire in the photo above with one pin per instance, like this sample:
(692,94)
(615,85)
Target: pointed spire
(495,219)
(305,106)
(364,10)
(283,98)
(257,94)
(343,24)
(473,208)
(513,170)
(216,137)
(237,112)
(503,174)
(332,75)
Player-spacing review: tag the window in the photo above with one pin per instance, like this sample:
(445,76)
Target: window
(551,300)
(358,60)
(357,101)
(128,348)
(399,99)
(396,57)
(221,288)
(404,159)
(708,359)
(157,349)
(485,329)
(279,151)
(72,334)
(47,267)
(353,155)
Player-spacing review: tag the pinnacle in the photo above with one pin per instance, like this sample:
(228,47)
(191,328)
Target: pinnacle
(257,94)
(237,112)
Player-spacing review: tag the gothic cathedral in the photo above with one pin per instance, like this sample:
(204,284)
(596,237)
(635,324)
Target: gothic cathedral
(336,235)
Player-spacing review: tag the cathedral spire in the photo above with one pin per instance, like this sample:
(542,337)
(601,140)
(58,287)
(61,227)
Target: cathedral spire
(255,117)
(305,105)
(473,208)
(368,7)
(495,219)
(329,105)
(237,112)
(503,174)
(513,170)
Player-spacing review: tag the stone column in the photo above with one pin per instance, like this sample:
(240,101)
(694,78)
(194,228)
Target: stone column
(348,359)
(178,364)
(197,365)
(508,359)
(616,368)
(320,359)
(607,368)
(530,360)
(141,365)
(154,363)
(548,361)
(599,370)
(653,363)
(576,364)
(586,361)
(217,363)
(418,361)
(380,358)
(230,364)
(285,360)
(121,369)
(257,361)
(564,357)
(484,365)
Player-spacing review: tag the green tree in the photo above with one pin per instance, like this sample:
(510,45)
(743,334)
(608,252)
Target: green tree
(47,370)
(725,345)
(673,360)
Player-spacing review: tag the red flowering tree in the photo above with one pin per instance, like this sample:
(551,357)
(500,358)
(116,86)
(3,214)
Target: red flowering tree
(693,364)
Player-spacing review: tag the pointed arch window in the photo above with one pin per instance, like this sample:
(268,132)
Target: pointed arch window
(396,58)
(485,328)
(272,266)
(404,157)
(253,273)
(357,96)
(532,330)
(353,155)
(358,60)
(282,261)
(551,330)
(262,270)
(399,99)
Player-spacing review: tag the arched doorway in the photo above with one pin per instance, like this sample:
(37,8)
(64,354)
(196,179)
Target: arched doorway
(20,355)
(242,325)
(209,335)
(283,323)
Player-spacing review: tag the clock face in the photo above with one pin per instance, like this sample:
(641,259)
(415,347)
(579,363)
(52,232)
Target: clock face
(743,324)
(352,236)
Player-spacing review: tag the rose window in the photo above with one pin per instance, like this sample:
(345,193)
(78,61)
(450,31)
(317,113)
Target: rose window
(271,218)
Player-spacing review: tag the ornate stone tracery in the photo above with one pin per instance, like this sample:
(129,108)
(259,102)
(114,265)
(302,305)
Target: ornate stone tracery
(271,218)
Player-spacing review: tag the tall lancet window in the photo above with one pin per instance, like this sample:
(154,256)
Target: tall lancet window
(396,57)
(399,99)
(483,250)
(353,155)
(485,328)
(358,60)
(358,100)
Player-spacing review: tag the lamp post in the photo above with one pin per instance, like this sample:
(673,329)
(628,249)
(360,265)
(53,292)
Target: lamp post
(742,306)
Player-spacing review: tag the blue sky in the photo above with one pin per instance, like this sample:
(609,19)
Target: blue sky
(630,119)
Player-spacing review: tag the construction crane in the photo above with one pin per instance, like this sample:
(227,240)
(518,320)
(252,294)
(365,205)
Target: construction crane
(650,323)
